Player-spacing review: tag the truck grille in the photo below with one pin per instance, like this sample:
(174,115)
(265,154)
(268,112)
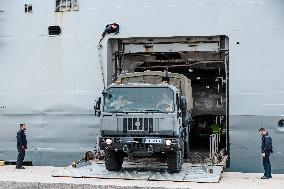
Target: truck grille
(138,124)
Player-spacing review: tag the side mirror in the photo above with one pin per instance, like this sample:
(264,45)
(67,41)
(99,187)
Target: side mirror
(281,123)
(183,103)
(97,107)
(104,93)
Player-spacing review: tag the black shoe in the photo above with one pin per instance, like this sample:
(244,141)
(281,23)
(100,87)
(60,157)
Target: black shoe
(20,168)
(270,176)
(264,177)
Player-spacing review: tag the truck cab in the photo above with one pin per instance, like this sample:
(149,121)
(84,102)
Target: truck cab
(142,120)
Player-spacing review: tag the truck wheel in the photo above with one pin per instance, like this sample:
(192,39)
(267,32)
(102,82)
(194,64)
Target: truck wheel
(182,149)
(186,150)
(113,160)
(174,162)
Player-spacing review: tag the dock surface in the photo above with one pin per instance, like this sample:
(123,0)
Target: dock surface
(41,177)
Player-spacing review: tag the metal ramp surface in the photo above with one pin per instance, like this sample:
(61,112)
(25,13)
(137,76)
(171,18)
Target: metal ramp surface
(144,171)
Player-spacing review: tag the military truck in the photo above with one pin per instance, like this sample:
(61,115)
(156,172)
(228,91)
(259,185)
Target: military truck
(142,117)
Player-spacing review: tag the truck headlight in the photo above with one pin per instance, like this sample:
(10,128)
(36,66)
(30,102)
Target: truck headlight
(108,141)
(168,142)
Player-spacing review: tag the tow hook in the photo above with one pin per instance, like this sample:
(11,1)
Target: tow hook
(125,148)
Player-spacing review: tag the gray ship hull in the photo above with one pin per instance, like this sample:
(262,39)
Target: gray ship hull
(51,83)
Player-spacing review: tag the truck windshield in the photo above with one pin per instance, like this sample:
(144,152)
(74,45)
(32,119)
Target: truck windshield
(139,99)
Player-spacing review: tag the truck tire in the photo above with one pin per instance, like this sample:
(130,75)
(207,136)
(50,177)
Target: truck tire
(186,150)
(113,160)
(182,149)
(174,162)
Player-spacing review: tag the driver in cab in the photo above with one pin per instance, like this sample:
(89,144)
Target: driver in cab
(165,104)
(120,102)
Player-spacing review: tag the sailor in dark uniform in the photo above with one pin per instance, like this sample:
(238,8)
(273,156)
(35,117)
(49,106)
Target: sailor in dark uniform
(266,149)
(21,146)
(110,28)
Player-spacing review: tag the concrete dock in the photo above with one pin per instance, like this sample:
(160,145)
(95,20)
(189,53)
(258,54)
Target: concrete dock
(41,177)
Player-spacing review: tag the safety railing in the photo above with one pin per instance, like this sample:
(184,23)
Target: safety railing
(214,147)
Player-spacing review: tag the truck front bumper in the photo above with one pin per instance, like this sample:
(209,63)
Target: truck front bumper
(142,146)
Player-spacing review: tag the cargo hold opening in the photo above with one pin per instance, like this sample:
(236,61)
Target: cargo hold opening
(204,60)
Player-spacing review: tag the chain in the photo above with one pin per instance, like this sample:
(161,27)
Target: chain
(101,64)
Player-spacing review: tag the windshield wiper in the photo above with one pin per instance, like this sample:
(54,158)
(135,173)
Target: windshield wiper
(118,111)
(152,110)
(134,109)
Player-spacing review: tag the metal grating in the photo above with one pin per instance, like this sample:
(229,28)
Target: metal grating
(151,125)
(138,124)
(146,124)
(66,5)
(124,125)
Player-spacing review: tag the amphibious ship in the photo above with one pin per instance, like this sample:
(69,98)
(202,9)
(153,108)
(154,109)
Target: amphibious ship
(53,68)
